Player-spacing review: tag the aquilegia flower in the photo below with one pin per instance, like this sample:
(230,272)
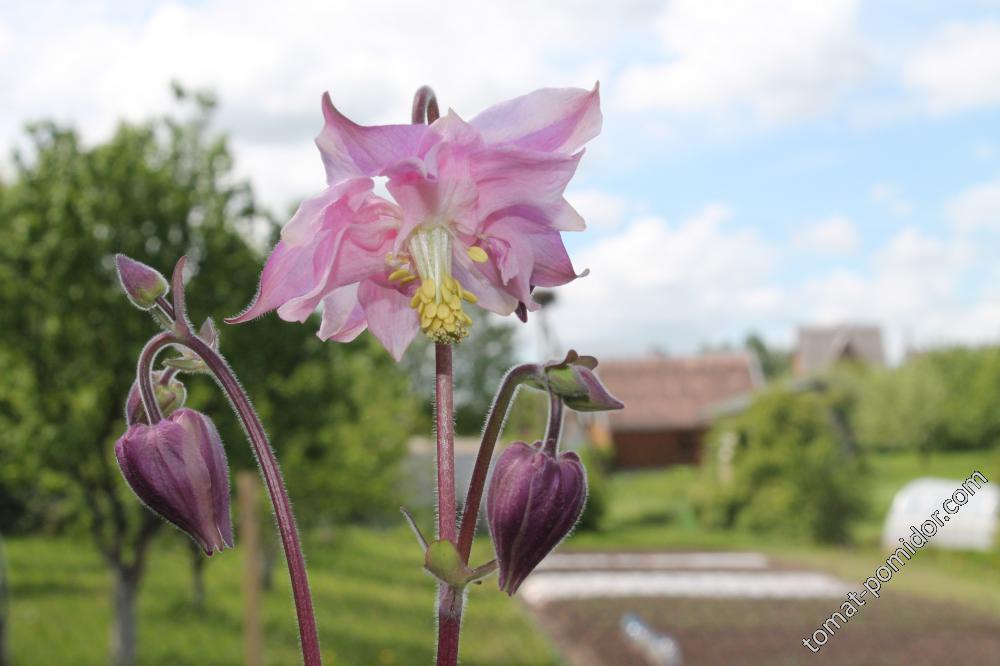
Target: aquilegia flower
(178,468)
(476,217)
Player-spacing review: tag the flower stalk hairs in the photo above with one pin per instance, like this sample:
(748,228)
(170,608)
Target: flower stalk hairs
(474,220)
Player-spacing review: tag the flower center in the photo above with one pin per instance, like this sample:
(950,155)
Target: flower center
(438,300)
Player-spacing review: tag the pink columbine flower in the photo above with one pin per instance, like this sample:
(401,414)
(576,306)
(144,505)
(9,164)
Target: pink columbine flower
(476,217)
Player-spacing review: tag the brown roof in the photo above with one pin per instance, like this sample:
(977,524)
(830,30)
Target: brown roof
(664,392)
(821,346)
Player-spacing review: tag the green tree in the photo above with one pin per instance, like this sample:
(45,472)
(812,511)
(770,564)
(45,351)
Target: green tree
(785,465)
(939,401)
(69,340)
(774,362)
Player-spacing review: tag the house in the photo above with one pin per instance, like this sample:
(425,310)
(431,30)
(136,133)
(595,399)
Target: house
(820,347)
(669,401)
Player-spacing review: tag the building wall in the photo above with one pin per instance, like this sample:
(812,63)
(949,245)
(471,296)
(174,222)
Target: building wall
(657,448)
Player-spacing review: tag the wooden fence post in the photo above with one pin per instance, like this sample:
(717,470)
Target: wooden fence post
(249,543)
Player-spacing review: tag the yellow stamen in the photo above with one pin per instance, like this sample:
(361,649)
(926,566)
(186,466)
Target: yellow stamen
(477,254)
(398,274)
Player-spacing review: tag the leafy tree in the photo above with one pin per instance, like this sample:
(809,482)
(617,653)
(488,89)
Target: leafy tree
(784,466)
(774,362)
(939,401)
(69,340)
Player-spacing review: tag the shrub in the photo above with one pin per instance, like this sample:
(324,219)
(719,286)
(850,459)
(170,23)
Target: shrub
(791,468)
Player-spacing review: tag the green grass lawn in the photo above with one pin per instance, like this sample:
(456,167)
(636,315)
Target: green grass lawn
(653,510)
(373,602)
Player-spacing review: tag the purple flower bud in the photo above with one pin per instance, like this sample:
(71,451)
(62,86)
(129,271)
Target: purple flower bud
(574,380)
(169,396)
(534,500)
(143,284)
(178,469)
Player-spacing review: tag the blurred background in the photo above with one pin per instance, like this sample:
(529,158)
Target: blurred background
(794,246)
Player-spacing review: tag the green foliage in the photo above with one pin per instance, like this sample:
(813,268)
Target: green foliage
(69,339)
(791,471)
(597,490)
(774,362)
(344,417)
(944,400)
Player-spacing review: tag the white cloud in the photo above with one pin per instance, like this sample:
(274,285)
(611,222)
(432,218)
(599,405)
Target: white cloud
(958,68)
(779,59)
(833,235)
(677,286)
(672,285)
(270,65)
(913,287)
(890,197)
(977,208)
(602,210)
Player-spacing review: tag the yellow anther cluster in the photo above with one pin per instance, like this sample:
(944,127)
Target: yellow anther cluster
(440,309)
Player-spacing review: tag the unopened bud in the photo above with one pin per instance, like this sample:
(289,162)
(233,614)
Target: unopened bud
(170,396)
(574,380)
(143,284)
(534,500)
(177,467)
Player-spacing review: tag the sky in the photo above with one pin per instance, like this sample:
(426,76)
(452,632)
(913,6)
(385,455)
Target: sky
(763,165)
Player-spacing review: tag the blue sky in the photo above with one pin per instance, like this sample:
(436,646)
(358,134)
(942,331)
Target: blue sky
(763,165)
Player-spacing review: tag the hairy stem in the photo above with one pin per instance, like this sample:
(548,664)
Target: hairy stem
(276,489)
(445,427)
(551,443)
(449,603)
(144,375)
(491,433)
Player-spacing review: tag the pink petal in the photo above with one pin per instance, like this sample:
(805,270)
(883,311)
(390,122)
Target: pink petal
(340,237)
(484,281)
(351,150)
(507,177)
(309,216)
(343,316)
(353,249)
(550,120)
(390,317)
(437,187)
(527,254)
(287,273)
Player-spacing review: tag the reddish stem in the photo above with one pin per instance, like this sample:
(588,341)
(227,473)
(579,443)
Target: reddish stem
(445,442)
(240,402)
(449,600)
(491,433)
(425,110)
(551,442)
(276,489)
(144,375)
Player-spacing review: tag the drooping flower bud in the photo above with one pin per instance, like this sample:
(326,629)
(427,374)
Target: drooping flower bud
(170,396)
(534,500)
(574,380)
(178,469)
(143,284)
